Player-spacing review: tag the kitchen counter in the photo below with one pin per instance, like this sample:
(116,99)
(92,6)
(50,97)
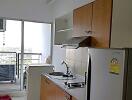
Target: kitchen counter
(33,73)
(41,65)
(78,93)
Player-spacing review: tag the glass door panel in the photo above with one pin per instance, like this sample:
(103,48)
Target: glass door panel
(10,45)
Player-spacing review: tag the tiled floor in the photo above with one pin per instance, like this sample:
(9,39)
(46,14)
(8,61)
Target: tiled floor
(16,95)
(19,98)
(8,86)
(13,90)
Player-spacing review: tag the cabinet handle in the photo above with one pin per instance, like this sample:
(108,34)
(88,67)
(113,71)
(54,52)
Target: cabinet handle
(47,81)
(89,78)
(66,98)
(88,32)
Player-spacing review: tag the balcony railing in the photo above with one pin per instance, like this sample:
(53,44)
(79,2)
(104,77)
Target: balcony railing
(15,58)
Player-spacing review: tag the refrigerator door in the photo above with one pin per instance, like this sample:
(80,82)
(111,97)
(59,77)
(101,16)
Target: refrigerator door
(107,71)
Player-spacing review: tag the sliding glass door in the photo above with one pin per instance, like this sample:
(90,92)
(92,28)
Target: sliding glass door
(21,44)
(10,45)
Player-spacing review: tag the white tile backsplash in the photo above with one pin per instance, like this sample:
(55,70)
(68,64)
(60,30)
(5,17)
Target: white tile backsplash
(77,59)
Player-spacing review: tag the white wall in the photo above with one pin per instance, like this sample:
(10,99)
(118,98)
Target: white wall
(121,35)
(62,7)
(32,10)
(59,54)
(46,42)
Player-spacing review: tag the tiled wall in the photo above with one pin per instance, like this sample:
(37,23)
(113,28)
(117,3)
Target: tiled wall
(77,59)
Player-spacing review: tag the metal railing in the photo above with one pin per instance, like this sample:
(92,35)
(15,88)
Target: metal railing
(15,58)
(8,57)
(28,58)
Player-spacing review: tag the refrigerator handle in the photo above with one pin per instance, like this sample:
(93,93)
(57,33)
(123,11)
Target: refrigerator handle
(89,78)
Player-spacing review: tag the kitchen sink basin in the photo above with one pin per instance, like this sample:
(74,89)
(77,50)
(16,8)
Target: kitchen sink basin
(57,73)
(67,75)
(75,85)
(61,76)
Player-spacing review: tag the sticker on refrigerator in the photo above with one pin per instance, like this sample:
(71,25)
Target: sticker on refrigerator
(114,66)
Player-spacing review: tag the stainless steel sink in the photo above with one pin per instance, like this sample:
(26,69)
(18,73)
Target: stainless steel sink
(67,75)
(74,85)
(57,73)
(62,76)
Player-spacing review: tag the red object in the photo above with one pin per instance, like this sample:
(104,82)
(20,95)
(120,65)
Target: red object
(5,97)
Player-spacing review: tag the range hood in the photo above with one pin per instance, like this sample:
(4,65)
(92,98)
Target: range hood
(76,42)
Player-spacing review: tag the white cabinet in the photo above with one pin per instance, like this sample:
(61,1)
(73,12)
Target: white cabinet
(63,28)
(34,78)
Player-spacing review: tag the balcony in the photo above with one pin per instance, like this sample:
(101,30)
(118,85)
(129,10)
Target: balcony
(10,68)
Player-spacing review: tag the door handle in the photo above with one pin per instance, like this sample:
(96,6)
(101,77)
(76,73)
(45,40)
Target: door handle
(89,78)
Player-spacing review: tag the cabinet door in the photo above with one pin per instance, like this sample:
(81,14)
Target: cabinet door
(48,90)
(82,20)
(62,95)
(101,23)
(42,89)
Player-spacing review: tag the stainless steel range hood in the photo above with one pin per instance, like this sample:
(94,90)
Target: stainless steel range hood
(76,42)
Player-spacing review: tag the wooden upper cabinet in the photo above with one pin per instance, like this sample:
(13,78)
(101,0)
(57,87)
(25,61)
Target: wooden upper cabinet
(101,23)
(94,17)
(82,20)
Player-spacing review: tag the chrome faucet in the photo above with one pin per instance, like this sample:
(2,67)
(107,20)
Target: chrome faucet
(67,68)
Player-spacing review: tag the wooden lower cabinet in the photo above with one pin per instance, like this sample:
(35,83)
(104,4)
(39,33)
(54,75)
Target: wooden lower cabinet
(47,90)
(61,95)
(50,91)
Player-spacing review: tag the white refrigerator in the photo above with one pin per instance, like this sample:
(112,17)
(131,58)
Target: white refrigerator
(109,74)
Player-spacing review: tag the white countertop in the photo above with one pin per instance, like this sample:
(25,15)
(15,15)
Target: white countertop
(78,93)
(41,65)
